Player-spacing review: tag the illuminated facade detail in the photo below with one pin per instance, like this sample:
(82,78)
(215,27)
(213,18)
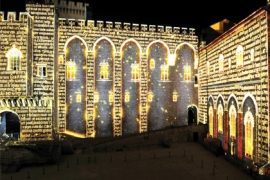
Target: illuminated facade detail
(232,123)
(221,63)
(104,70)
(41,70)
(187,73)
(249,125)
(152,63)
(61,59)
(207,68)
(164,72)
(111,96)
(78,97)
(127,96)
(71,70)
(14,59)
(211,121)
(252,55)
(96,97)
(239,56)
(135,71)
(175,96)
(220,118)
(150,96)
(229,63)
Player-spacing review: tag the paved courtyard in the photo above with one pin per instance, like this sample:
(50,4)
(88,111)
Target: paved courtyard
(183,160)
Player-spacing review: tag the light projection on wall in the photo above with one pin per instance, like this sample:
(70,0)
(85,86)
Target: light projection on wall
(211,121)
(249,125)
(75,86)
(221,63)
(131,86)
(104,63)
(220,118)
(232,123)
(14,56)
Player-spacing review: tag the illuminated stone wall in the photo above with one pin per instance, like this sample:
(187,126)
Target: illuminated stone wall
(233,89)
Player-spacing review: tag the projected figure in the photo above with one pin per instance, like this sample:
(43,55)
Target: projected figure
(211,123)
(232,116)
(220,118)
(249,125)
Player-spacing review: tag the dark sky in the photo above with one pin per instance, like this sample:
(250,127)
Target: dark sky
(193,14)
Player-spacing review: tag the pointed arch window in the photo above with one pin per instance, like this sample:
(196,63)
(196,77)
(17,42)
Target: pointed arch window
(71,69)
(239,57)
(187,73)
(104,70)
(249,125)
(164,72)
(14,56)
(221,63)
(135,71)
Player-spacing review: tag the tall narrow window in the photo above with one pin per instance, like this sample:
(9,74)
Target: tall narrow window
(221,63)
(164,72)
(152,64)
(249,124)
(104,70)
(187,73)
(71,69)
(239,56)
(41,70)
(211,123)
(135,71)
(232,115)
(220,118)
(14,57)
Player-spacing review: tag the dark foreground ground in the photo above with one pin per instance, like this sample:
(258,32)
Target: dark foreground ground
(182,161)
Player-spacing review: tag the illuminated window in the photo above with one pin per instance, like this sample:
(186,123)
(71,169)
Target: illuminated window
(164,72)
(78,97)
(211,123)
(14,57)
(239,56)
(135,71)
(221,63)
(175,96)
(110,96)
(96,97)
(220,118)
(187,73)
(152,64)
(208,68)
(232,115)
(249,124)
(104,70)
(127,96)
(71,70)
(41,70)
(150,97)
(61,59)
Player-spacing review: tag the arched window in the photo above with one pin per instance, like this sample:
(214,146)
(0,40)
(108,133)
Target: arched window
(249,124)
(71,69)
(239,57)
(232,115)
(221,63)
(187,73)
(104,70)
(135,71)
(14,59)
(164,72)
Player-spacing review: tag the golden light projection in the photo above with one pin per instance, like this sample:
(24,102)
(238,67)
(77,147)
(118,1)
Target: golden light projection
(175,96)
(232,115)
(150,96)
(252,54)
(220,118)
(239,56)
(110,96)
(127,96)
(211,121)
(164,72)
(187,73)
(152,63)
(221,63)
(71,69)
(249,125)
(61,59)
(78,97)
(96,97)
(104,70)
(14,56)
(135,71)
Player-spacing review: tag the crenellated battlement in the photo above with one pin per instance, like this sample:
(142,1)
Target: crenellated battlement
(12,16)
(126,26)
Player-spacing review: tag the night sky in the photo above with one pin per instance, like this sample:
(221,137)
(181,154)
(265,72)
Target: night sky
(191,14)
